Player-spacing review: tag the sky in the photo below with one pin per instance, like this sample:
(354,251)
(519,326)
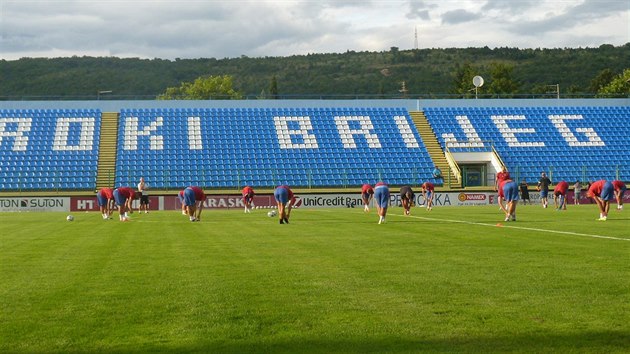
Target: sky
(188,29)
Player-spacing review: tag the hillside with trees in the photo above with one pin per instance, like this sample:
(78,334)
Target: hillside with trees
(426,73)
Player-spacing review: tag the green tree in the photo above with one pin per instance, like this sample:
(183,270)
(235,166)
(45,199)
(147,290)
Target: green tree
(602,79)
(463,80)
(502,82)
(273,88)
(203,88)
(618,87)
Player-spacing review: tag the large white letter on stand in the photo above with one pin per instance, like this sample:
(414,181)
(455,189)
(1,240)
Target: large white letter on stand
(284,133)
(194,133)
(508,132)
(131,133)
(365,129)
(62,133)
(567,134)
(469,131)
(406,132)
(23,125)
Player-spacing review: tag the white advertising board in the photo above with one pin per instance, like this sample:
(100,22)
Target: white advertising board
(35,204)
(354,200)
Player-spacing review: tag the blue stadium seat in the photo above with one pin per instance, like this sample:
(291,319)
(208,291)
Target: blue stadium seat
(559,158)
(40,156)
(242,144)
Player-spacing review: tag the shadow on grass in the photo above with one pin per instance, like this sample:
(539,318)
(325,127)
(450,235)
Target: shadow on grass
(595,342)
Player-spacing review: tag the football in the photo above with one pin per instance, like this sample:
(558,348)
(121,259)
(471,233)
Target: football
(70,218)
(272,213)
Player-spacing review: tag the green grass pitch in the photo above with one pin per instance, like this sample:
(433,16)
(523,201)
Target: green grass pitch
(332,281)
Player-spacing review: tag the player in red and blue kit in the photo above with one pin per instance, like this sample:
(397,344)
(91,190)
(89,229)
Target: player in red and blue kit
(501,198)
(248,198)
(407,196)
(124,196)
(619,189)
(560,192)
(602,192)
(501,176)
(105,199)
(193,199)
(427,193)
(508,190)
(285,200)
(180,197)
(367,192)
(381,196)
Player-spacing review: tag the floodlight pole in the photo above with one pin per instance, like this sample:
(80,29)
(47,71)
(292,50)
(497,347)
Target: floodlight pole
(557,89)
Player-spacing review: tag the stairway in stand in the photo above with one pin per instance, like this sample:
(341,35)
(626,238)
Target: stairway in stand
(106,173)
(435,150)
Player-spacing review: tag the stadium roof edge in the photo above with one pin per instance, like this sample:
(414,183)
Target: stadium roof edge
(409,104)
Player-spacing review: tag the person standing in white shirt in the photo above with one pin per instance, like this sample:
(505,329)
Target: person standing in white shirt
(144,199)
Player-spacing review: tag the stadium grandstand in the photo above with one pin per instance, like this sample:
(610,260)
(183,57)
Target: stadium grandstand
(80,146)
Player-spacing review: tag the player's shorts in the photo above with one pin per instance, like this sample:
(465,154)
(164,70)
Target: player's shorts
(144,199)
(404,191)
(381,196)
(248,197)
(544,193)
(559,193)
(102,200)
(189,197)
(404,197)
(119,198)
(608,191)
(281,195)
(510,191)
(365,196)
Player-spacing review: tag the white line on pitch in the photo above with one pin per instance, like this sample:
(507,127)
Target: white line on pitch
(518,227)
